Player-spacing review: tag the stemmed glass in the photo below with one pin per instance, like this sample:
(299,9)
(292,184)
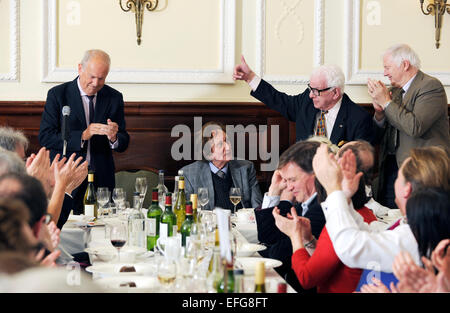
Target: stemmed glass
(118,237)
(118,197)
(103,198)
(235,197)
(141,187)
(203,198)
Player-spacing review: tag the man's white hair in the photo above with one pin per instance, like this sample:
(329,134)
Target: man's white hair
(95,53)
(333,75)
(402,52)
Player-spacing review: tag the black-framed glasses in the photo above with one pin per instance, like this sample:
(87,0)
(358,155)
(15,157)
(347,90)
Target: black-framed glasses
(316,91)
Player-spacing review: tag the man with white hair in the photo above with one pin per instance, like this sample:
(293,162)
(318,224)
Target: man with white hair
(323,109)
(412,113)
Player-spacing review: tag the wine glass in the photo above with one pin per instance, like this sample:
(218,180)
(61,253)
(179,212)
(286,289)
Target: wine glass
(203,197)
(103,198)
(118,237)
(235,197)
(141,187)
(118,196)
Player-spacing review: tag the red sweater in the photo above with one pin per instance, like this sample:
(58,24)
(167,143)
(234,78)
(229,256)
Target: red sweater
(324,269)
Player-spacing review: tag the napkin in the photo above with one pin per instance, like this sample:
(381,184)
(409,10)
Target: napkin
(223,223)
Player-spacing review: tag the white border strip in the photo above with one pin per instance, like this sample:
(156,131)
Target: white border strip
(13,74)
(319,44)
(223,75)
(354,74)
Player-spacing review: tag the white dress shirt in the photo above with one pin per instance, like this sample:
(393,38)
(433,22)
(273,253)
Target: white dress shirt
(85,101)
(357,246)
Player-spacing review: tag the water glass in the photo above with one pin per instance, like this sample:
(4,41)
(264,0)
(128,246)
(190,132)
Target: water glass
(203,197)
(141,187)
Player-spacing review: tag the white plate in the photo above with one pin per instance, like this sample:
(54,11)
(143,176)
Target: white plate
(249,264)
(248,249)
(143,283)
(113,269)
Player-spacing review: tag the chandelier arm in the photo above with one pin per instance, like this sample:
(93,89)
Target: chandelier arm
(151,4)
(129,4)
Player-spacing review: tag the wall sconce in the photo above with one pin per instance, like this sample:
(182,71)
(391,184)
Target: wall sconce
(137,6)
(436,8)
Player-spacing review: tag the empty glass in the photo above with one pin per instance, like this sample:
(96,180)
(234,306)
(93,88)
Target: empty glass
(141,187)
(118,197)
(103,195)
(203,197)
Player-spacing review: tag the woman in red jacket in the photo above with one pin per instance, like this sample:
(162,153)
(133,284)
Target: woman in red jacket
(323,269)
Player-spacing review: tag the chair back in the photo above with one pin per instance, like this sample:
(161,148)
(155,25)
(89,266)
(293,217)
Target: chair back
(127,178)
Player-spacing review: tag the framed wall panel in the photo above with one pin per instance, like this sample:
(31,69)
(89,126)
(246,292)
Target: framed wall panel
(289,11)
(53,72)
(356,70)
(9,52)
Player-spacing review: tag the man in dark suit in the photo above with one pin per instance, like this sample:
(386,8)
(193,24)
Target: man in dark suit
(322,109)
(96,122)
(218,172)
(292,185)
(412,113)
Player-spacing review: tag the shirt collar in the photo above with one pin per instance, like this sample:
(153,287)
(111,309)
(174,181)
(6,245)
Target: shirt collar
(408,84)
(82,93)
(305,205)
(335,109)
(215,169)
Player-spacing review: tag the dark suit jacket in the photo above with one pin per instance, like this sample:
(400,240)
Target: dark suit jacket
(109,105)
(278,244)
(198,174)
(353,122)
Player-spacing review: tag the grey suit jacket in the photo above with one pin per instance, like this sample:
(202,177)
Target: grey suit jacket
(421,118)
(198,174)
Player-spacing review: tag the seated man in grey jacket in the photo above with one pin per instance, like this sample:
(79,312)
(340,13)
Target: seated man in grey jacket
(218,172)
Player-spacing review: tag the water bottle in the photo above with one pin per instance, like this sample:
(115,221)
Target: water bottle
(137,235)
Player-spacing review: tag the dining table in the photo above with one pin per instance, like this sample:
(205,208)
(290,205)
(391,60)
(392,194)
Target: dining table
(79,235)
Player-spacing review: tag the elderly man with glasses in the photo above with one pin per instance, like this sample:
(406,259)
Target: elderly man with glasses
(323,109)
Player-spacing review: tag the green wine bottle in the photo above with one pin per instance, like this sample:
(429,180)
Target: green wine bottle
(153,219)
(180,205)
(168,224)
(90,201)
(186,227)
(227,279)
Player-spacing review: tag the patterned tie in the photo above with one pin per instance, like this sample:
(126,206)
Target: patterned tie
(220,174)
(91,109)
(321,129)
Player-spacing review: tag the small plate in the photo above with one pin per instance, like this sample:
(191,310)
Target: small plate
(248,249)
(142,283)
(113,269)
(248,264)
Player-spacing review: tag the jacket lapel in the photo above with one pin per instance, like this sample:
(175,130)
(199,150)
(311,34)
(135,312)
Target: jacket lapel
(338,131)
(101,106)
(236,176)
(408,96)
(74,101)
(206,181)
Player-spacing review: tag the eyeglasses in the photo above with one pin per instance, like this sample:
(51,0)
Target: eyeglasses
(316,91)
